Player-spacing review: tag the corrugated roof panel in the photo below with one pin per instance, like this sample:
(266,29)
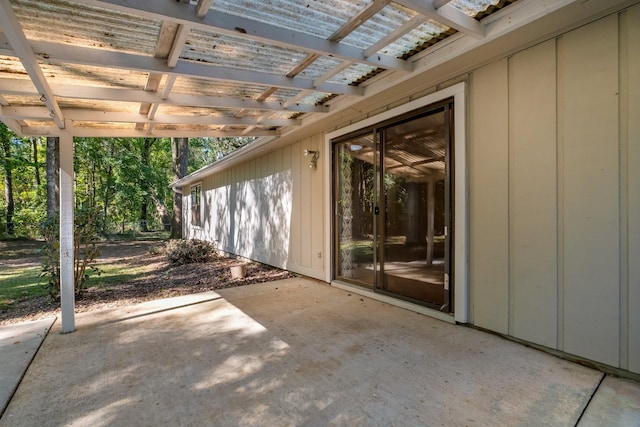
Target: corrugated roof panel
(379,26)
(239,52)
(319,67)
(314,98)
(107,106)
(202,128)
(23,101)
(320,18)
(415,38)
(281,115)
(40,123)
(74,23)
(352,74)
(94,76)
(473,7)
(217,88)
(282,95)
(196,111)
(103,125)
(11,67)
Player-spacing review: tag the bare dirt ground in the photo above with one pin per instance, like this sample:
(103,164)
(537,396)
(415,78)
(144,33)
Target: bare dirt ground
(159,279)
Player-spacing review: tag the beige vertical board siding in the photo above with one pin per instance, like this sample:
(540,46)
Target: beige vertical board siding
(287,165)
(317,206)
(305,206)
(489,205)
(533,233)
(630,121)
(296,241)
(588,59)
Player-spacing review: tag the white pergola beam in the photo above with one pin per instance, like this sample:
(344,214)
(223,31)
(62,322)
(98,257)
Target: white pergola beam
(41,113)
(414,22)
(24,87)
(178,44)
(136,133)
(447,15)
(19,43)
(247,130)
(203,7)
(439,3)
(237,26)
(53,52)
(365,14)
(165,94)
(67,292)
(12,124)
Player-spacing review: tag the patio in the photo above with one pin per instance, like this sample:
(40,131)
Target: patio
(299,352)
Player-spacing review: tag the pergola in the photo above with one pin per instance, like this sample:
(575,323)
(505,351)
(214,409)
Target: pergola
(215,68)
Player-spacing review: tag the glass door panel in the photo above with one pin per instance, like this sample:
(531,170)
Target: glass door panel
(354,195)
(414,221)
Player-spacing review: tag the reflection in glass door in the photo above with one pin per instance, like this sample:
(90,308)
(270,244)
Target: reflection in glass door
(355,199)
(392,208)
(413,256)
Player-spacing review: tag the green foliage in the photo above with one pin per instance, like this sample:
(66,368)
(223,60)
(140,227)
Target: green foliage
(27,220)
(181,252)
(203,151)
(85,242)
(115,175)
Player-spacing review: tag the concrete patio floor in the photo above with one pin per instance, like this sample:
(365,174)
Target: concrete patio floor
(301,353)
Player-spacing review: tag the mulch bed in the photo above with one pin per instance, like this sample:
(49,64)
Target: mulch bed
(163,282)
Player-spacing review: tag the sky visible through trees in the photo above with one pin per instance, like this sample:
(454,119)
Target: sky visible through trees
(125,179)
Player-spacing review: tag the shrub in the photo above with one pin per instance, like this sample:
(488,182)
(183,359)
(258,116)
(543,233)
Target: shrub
(181,252)
(85,250)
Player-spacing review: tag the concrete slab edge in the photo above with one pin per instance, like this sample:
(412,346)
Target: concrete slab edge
(588,402)
(605,369)
(24,372)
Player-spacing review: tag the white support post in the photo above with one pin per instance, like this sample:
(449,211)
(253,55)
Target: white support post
(67,294)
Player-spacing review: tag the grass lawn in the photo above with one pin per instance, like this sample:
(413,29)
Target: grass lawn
(20,275)
(18,283)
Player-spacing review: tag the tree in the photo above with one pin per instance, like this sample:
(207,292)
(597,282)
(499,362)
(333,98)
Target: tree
(5,145)
(180,158)
(53,176)
(145,185)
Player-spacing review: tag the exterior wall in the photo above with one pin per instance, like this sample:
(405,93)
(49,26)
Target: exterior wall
(269,209)
(554,214)
(554,205)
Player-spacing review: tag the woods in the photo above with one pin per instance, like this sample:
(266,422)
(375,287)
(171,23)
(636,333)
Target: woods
(125,180)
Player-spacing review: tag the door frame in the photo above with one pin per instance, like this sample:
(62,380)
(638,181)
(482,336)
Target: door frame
(460,193)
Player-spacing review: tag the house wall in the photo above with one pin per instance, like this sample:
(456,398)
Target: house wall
(554,208)
(269,209)
(553,136)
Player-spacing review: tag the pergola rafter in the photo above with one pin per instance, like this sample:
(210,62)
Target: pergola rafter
(25,87)
(41,113)
(16,38)
(232,25)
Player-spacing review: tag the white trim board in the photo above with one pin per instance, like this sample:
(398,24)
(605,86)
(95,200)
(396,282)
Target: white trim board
(461,256)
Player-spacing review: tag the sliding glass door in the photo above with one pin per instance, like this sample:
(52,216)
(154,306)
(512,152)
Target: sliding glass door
(393,207)
(355,166)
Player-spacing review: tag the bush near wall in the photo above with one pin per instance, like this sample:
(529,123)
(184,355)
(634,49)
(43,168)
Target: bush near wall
(180,251)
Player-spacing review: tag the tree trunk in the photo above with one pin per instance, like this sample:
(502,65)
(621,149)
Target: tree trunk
(163,213)
(53,177)
(36,166)
(107,188)
(180,157)
(144,184)
(8,182)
